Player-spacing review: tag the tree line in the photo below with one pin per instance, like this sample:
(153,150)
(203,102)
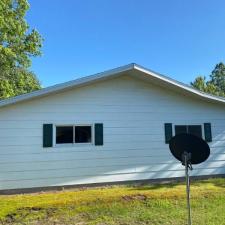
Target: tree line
(19,43)
(215,84)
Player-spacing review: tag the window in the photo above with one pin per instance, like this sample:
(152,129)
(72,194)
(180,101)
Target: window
(179,129)
(195,130)
(73,134)
(82,134)
(198,130)
(64,135)
(190,129)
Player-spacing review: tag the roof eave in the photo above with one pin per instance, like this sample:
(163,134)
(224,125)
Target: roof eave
(67,85)
(180,85)
(107,74)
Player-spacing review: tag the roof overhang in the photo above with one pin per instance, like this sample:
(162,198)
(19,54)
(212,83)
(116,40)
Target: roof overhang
(132,69)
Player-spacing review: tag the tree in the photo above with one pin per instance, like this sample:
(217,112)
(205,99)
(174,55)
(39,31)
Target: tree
(216,83)
(200,83)
(217,79)
(17,45)
(16,82)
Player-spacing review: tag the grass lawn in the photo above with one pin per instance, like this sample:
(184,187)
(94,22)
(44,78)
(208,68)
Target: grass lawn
(151,204)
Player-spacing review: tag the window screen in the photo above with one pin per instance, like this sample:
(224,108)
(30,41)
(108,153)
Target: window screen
(82,134)
(64,134)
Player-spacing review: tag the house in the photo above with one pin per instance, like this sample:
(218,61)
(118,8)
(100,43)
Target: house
(109,127)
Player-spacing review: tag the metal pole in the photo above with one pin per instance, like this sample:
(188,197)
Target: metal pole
(186,159)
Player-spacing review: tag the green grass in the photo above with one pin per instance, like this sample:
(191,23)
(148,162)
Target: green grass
(151,204)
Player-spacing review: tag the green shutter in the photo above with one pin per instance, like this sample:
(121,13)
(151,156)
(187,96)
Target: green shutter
(208,132)
(168,132)
(98,134)
(47,135)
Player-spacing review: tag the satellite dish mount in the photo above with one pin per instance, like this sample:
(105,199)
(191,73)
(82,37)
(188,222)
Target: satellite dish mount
(186,161)
(189,149)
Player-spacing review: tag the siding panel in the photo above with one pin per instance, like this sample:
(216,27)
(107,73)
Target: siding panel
(133,113)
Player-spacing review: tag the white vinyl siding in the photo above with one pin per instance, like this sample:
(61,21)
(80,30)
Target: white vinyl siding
(133,113)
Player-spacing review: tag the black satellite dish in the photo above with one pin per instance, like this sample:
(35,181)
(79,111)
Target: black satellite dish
(191,144)
(189,149)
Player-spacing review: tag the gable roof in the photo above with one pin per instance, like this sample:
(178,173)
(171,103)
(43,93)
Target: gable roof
(132,69)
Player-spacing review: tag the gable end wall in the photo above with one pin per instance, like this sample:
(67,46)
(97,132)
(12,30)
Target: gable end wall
(133,113)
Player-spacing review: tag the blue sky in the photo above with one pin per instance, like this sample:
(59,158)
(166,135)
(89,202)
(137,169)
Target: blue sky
(178,38)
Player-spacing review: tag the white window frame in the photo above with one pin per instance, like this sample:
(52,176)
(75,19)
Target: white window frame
(73,144)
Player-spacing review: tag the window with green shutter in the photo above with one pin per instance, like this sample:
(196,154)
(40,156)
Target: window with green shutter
(195,130)
(98,134)
(67,135)
(208,132)
(168,132)
(47,135)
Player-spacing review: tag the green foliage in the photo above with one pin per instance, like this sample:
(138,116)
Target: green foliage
(200,83)
(17,45)
(216,83)
(16,82)
(217,79)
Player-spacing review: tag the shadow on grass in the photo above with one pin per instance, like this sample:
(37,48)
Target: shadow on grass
(155,186)
(218,182)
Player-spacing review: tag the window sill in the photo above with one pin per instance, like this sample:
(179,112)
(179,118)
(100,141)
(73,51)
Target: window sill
(73,145)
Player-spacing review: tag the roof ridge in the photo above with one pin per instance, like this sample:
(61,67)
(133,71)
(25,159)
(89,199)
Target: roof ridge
(103,75)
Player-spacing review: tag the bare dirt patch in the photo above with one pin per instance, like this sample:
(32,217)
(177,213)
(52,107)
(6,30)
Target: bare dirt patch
(139,197)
